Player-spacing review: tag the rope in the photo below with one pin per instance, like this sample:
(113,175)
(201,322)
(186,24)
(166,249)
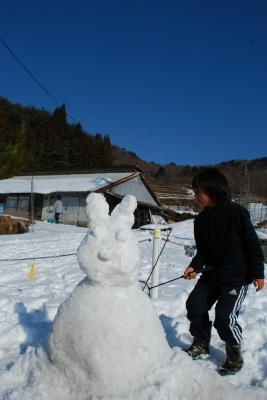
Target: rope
(179,244)
(40,258)
(175,279)
(36,258)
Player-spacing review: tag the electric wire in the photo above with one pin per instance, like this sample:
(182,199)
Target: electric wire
(31,75)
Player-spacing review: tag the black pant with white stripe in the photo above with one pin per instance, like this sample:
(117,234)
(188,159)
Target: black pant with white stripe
(229,301)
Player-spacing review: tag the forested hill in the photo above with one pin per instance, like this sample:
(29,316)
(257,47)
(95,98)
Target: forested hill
(34,139)
(250,175)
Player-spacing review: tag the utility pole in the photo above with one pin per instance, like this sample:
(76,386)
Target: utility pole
(32,205)
(246,188)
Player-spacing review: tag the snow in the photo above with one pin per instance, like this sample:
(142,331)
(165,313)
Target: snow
(119,337)
(60,183)
(61,255)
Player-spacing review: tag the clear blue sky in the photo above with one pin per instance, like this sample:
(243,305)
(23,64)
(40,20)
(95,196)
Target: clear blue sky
(181,81)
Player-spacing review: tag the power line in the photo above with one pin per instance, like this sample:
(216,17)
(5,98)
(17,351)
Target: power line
(28,71)
(32,76)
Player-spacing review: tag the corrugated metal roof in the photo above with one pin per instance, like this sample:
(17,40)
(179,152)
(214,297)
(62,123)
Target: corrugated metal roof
(60,183)
(84,171)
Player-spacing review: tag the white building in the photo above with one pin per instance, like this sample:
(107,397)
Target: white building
(43,187)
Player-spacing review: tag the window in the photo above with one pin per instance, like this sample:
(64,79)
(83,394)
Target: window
(23,203)
(11,202)
(20,202)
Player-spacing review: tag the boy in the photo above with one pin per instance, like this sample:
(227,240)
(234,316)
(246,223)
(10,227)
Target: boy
(227,241)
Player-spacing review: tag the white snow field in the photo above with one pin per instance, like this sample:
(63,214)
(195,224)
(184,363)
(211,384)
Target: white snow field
(134,342)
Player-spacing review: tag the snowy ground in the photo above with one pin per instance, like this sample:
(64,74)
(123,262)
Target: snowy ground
(27,309)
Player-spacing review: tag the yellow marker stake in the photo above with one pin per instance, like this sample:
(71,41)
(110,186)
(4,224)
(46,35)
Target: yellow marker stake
(31,273)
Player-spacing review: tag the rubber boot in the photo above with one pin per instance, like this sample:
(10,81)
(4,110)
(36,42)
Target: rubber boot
(234,360)
(200,344)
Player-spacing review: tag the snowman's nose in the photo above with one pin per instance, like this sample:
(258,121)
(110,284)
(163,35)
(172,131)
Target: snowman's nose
(105,254)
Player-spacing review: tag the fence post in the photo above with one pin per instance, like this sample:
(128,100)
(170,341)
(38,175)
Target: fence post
(155,255)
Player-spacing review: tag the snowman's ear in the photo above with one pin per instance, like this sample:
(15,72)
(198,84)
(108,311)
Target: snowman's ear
(96,209)
(124,212)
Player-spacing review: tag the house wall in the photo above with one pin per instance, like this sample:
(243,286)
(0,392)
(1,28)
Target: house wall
(18,214)
(135,187)
(73,208)
(16,205)
(74,203)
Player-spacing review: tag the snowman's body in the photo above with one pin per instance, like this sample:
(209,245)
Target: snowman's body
(107,335)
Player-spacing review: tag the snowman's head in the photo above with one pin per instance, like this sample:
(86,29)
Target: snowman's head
(109,254)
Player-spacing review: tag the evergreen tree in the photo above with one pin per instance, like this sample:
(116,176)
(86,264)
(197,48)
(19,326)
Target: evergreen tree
(55,142)
(3,128)
(161,173)
(76,152)
(98,151)
(81,148)
(60,131)
(15,157)
(89,151)
(107,152)
(46,141)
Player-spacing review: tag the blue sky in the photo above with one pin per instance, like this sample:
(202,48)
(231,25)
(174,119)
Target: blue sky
(181,81)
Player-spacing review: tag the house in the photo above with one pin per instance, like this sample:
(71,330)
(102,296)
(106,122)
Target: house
(41,188)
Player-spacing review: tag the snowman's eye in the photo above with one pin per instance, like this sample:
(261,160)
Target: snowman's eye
(105,254)
(121,235)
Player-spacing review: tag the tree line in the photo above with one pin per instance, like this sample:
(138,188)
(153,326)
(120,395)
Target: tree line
(242,175)
(34,139)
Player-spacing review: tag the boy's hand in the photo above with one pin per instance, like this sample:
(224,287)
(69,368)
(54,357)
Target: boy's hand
(258,283)
(189,273)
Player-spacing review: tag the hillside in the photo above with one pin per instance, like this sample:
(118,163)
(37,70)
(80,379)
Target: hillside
(244,176)
(32,139)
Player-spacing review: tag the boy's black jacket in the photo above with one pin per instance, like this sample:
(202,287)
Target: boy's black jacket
(226,240)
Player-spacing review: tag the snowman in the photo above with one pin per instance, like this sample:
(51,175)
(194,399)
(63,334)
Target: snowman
(107,337)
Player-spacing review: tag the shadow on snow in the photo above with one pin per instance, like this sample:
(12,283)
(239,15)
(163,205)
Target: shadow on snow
(35,324)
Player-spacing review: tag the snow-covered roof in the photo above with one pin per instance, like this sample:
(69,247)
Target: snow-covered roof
(46,184)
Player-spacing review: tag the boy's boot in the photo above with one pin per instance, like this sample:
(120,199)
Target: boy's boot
(200,344)
(234,360)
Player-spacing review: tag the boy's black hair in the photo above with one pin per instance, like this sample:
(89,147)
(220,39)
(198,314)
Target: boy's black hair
(212,182)
(58,197)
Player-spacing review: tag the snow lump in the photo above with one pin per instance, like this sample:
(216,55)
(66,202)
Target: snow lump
(107,336)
